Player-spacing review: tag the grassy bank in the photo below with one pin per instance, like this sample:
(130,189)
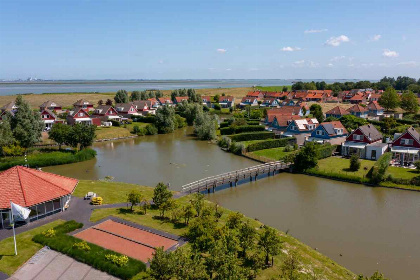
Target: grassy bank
(311,260)
(111,192)
(273,153)
(9,263)
(50,158)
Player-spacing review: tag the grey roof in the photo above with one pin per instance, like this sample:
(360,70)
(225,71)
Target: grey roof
(414,132)
(82,102)
(142,103)
(8,107)
(123,107)
(371,132)
(49,103)
(329,128)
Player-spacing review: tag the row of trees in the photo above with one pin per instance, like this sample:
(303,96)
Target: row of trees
(21,129)
(408,101)
(77,136)
(193,97)
(122,95)
(400,83)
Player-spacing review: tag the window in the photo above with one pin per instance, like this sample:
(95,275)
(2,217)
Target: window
(357,137)
(319,132)
(406,141)
(81,114)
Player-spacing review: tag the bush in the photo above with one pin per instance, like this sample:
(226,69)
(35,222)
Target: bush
(118,260)
(217,107)
(236,148)
(151,129)
(136,129)
(337,176)
(13,150)
(95,257)
(288,148)
(271,143)
(49,158)
(145,119)
(262,135)
(82,245)
(377,173)
(354,162)
(49,233)
(417,164)
(116,123)
(240,129)
(326,150)
(224,142)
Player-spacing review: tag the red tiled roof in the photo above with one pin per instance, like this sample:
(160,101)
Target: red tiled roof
(285,110)
(283,120)
(27,187)
(374,105)
(356,108)
(254,94)
(179,99)
(337,111)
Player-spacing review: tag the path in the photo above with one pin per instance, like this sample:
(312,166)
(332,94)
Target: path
(51,265)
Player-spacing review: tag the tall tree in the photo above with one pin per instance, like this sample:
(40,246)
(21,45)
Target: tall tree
(81,135)
(60,134)
(161,194)
(162,265)
(134,197)
(26,125)
(6,134)
(135,95)
(307,157)
(402,83)
(247,236)
(165,119)
(409,102)
(269,242)
(121,96)
(108,102)
(316,111)
(285,89)
(389,99)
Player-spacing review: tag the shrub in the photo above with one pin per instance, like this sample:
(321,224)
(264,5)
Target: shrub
(136,129)
(49,233)
(271,143)
(326,150)
(237,148)
(354,162)
(118,260)
(417,164)
(224,142)
(239,129)
(217,107)
(82,245)
(145,119)
(13,150)
(151,129)
(261,135)
(288,148)
(377,173)
(95,257)
(115,123)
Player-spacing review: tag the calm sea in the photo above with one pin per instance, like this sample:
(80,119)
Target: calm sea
(130,85)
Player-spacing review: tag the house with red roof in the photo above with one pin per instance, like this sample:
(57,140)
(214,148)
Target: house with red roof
(276,95)
(281,122)
(374,109)
(227,101)
(78,115)
(358,98)
(316,96)
(249,101)
(256,94)
(48,118)
(127,110)
(336,112)
(83,104)
(106,113)
(180,99)
(406,147)
(374,97)
(207,101)
(358,111)
(165,101)
(42,192)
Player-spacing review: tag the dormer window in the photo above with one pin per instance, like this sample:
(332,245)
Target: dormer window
(357,137)
(319,132)
(406,141)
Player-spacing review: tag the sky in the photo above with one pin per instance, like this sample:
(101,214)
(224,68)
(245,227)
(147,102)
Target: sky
(209,39)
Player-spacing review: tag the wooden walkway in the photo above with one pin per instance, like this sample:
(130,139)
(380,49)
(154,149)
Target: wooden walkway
(232,178)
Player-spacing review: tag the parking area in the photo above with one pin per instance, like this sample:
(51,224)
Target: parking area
(125,239)
(51,265)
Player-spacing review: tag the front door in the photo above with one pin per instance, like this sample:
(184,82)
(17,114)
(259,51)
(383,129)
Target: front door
(373,154)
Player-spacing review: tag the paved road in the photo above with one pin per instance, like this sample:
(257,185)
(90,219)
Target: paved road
(51,265)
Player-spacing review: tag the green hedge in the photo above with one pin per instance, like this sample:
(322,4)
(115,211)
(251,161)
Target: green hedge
(226,123)
(261,135)
(326,150)
(145,119)
(240,129)
(337,176)
(49,158)
(271,143)
(95,257)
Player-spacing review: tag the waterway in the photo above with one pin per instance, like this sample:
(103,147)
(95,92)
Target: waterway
(362,228)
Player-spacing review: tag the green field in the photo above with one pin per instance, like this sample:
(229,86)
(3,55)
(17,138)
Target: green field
(9,263)
(274,88)
(111,192)
(273,153)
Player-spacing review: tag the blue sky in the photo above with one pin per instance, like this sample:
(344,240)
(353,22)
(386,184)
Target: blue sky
(209,39)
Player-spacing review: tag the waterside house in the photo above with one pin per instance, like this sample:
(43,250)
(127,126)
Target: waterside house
(227,101)
(366,141)
(106,113)
(78,115)
(127,110)
(406,147)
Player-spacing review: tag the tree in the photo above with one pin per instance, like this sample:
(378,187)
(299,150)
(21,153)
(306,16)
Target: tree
(121,96)
(6,134)
(205,126)
(291,266)
(234,220)
(316,111)
(165,119)
(256,114)
(145,204)
(202,232)
(285,89)
(161,194)
(269,242)
(409,102)
(307,157)
(389,99)
(135,95)
(60,134)
(376,276)
(216,98)
(298,86)
(351,122)
(165,206)
(402,83)
(222,264)
(188,213)
(354,162)
(108,102)
(388,124)
(25,124)
(189,266)
(81,134)
(247,236)
(162,265)
(100,102)
(197,201)
(134,197)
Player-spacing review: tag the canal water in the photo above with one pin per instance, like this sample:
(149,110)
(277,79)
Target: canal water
(362,228)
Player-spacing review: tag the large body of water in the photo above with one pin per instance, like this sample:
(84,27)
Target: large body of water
(112,86)
(372,228)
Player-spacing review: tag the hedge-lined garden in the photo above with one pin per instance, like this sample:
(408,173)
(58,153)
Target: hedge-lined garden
(88,253)
(48,158)
(240,129)
(271,143)
(261,135)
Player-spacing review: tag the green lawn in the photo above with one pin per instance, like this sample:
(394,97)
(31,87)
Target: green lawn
(273,153)
(274,88)
(139,124)
(111,192)
(341,165)
(108,132)
(246,143)
(26,248)
(311,259)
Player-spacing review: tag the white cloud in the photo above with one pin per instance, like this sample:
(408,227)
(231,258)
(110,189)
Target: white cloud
(305,63)
(389,53)
(299,62)
(315,31)
(228,69)
(330,65)
(221,50)
(336,41)
(375,38)
(337,58)
(161,61)
(408,63)
(290,49)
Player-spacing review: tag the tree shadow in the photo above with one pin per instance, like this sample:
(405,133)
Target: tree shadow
(125,211)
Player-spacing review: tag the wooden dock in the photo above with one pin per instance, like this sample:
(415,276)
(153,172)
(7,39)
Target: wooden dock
(232,178)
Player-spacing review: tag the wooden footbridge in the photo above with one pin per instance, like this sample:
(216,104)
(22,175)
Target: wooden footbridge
(232,178)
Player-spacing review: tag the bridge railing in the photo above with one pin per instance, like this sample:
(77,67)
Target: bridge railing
(229,176)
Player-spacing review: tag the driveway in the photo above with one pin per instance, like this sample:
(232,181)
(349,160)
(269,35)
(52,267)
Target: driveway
(51,265)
